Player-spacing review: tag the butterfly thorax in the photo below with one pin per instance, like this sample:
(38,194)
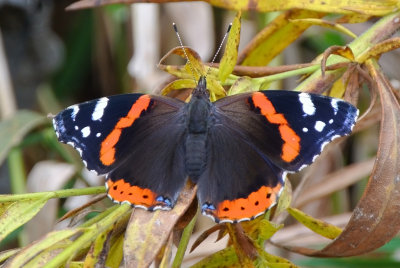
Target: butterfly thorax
(198,122)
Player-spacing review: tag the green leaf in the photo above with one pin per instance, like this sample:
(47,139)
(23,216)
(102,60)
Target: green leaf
(320,227)
(243,84)
(13,130)
(115,255)
(223,258)
(99,249)
(41,250)
(230,56)
(18,213)
(89,235)
(285,198)
(268,229)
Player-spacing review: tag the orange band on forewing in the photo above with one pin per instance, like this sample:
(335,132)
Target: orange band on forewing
(122,191)
(291,146)
(247,208)
(107,149)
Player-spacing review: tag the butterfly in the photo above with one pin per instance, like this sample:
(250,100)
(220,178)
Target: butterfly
(237,149)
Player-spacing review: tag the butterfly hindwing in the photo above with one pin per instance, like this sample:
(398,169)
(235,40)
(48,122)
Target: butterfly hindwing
(257,138)
(133,138)
(239,183)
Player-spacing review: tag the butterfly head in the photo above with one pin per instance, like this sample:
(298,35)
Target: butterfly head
(201,89)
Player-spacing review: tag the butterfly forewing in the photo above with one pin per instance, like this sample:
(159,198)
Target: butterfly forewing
(290,128)
(134,138)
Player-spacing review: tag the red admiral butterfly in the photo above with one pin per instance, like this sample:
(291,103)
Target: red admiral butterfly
(237,149)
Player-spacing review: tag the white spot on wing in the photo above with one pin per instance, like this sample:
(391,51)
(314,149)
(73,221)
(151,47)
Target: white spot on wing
(99,109)
(305,129)
(85,132)
(334,103)
(330,121)
(76,128)
(75,110)
(98,134)
(319,126)
(308,105)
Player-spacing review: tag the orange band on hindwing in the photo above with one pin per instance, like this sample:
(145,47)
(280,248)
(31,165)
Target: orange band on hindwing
(291,145)
(107,149)
(122,191)
(248,208)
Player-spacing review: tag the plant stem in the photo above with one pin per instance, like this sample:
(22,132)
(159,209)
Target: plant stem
(54,194)
(183,243)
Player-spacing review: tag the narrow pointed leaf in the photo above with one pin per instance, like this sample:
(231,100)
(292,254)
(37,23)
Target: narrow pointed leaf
(230,56)
(320,227)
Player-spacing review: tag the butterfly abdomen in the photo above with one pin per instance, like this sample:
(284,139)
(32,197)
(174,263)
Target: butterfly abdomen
(197,130)
(196,155)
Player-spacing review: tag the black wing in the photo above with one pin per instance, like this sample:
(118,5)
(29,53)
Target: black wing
(256,139)
(136,140)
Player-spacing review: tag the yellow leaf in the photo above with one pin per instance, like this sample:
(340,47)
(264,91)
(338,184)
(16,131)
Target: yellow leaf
(178,84)
(229,59)
(338,89)
(320,227)
(275,37)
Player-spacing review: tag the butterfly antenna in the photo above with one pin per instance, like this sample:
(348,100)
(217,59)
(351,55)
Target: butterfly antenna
(219,48)
(184,50)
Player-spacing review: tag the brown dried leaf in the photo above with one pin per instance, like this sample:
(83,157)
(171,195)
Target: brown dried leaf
(379,206)
(76,211)
(207,233)
(343,51)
